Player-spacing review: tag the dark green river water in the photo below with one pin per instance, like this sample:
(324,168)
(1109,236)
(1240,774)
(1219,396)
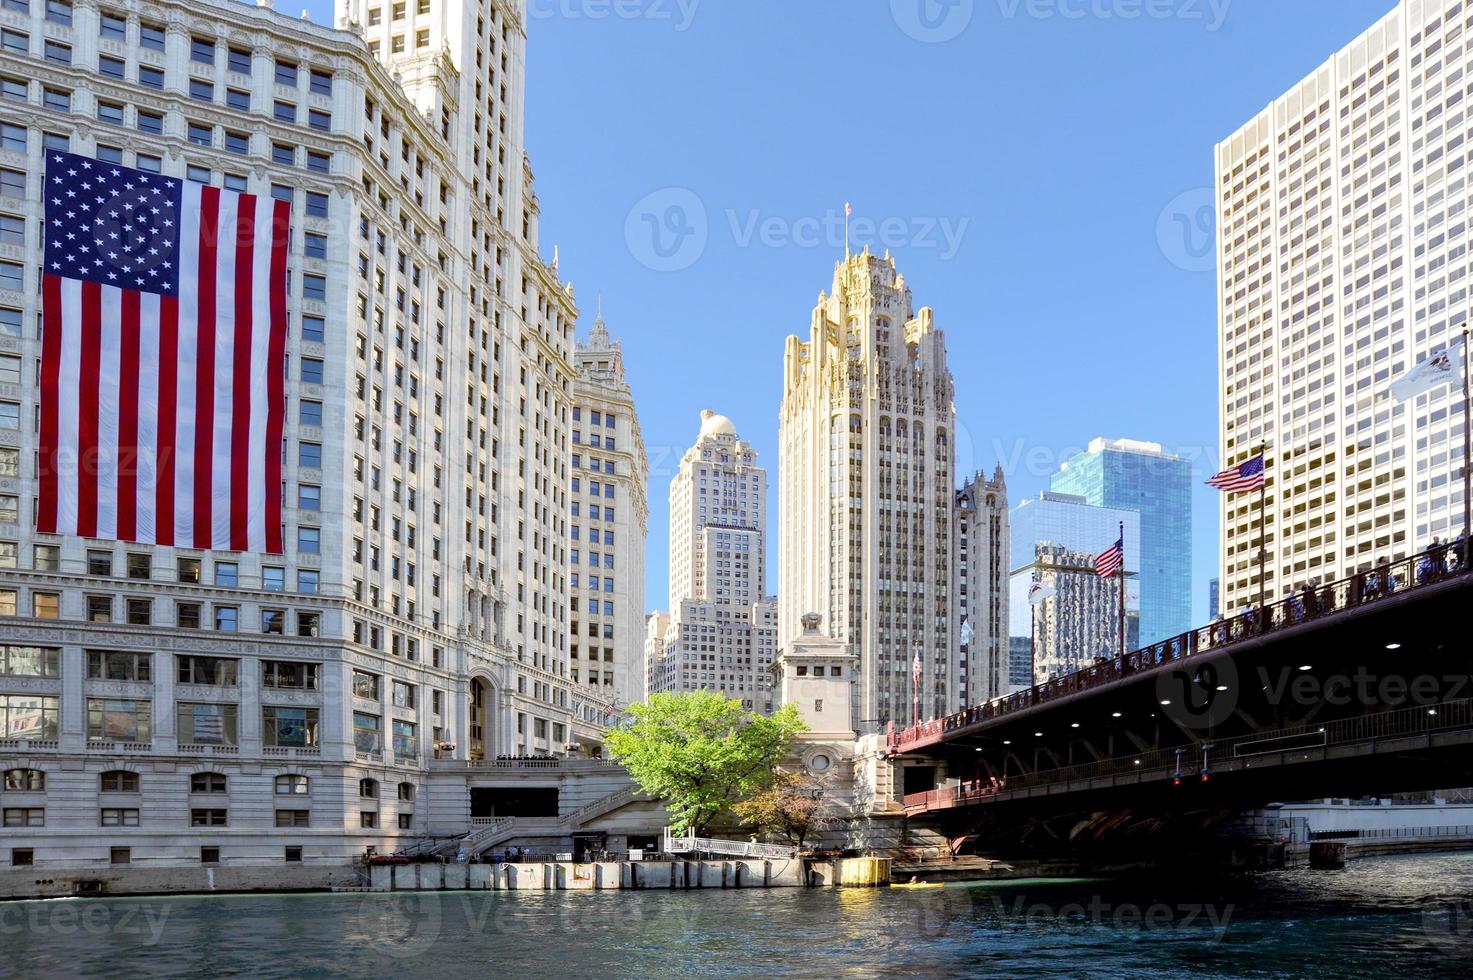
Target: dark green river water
(1392,917)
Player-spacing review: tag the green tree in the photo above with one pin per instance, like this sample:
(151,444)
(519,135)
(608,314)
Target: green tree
(700,751)
(790,806)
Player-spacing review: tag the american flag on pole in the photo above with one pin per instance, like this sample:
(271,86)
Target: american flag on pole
(1241,479)
(915,665)
(1109,561)
(164,314)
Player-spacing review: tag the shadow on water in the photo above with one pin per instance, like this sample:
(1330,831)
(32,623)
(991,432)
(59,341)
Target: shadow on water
(1411,915)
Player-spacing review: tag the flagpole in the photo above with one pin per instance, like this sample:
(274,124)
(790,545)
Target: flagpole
(915,676)
(1122,590)
(1263,534)
(1467,451)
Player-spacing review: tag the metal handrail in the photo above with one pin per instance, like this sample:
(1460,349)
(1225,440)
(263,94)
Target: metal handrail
(1430,567)
(1418,720)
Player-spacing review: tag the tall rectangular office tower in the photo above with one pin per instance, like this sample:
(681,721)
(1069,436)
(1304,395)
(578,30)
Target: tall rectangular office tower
(608,524)
(983,556)
(866,490)
(1157,485)
(154,700)
(1342,245)
(720,631)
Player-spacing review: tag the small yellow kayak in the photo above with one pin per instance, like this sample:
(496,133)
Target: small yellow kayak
(917,884)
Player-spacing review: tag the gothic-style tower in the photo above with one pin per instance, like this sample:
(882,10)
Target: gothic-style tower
(866,499)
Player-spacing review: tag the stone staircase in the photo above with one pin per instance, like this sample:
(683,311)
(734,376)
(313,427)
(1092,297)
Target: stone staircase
(498,830)
(606,804)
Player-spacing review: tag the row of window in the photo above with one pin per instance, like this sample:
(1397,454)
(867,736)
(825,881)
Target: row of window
(138,611)
(122,816)
(38,717)
(127,781)
(25,857)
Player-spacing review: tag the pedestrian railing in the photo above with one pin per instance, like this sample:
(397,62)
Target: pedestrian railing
(730,848)
(1431,567)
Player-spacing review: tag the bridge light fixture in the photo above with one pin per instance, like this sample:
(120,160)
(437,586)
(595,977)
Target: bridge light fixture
(1114,714)
(1137,762)
(1393,646)
(1432,711)
(1222,687)
(1007,741)
(1165,702)
(1038,734)
(1074,725)
(1306,666)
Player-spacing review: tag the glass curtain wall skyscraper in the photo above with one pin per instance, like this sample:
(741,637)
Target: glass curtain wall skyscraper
(1143,477)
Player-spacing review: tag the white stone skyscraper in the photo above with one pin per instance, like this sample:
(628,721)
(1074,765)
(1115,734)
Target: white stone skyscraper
(1342,260)
(608,524)
(167,703)
(720,632)
(866,495)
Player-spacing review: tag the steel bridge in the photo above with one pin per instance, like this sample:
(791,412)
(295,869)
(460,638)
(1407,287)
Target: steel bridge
(1358,687)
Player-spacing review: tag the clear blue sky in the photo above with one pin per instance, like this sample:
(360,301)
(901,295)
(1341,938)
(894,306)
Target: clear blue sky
(1040,173)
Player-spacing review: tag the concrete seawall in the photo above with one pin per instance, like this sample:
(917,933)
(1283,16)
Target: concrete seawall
(601,876)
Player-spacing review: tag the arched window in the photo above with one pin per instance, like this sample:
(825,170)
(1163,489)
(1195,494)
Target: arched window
(406,791)
(119,781)
(25,780)
(207,782)
(291,785)
(368,789)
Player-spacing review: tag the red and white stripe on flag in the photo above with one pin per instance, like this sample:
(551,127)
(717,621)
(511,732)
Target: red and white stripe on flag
(162,406)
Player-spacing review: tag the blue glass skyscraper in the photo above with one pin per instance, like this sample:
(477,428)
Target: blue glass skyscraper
(1142,477)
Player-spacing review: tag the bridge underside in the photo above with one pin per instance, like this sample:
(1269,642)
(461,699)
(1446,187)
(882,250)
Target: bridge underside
(1371,700)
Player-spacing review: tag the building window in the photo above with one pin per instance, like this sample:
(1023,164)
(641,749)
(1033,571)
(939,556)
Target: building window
(23,716)
(227,619)
(140,612)
(188,570)
(368,789)
(312,370)
(215,671)
(227,574)
(22,857)
(45,605)
(273,622)
(289,727)
(207,724)
(288,676)
(117,816)
(25,816)
(309,540)
(187,615)
(293,818)
(120,855)
(238,60)
(307,624)
(406,821)
(25,780)
(116,720)
(110,665)
(320,82)
(211,855)
(368,818)
(202,51)
(291,784)
(118,781)
(294,851)
(366,736)
(406,792)
(406,739)
(150,77)
(207,782)
(365,685)
(151,36)
(207,817)
(18,661)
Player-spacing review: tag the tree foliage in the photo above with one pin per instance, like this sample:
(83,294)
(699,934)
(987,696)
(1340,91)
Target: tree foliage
(791,806)
(700,751)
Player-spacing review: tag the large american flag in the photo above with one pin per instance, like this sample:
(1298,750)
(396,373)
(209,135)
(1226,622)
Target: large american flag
(1241,479)
(164,347)
(1111,560)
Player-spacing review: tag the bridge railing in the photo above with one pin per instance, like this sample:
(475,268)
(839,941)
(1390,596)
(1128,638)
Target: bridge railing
(1436,564)
(1186,761)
